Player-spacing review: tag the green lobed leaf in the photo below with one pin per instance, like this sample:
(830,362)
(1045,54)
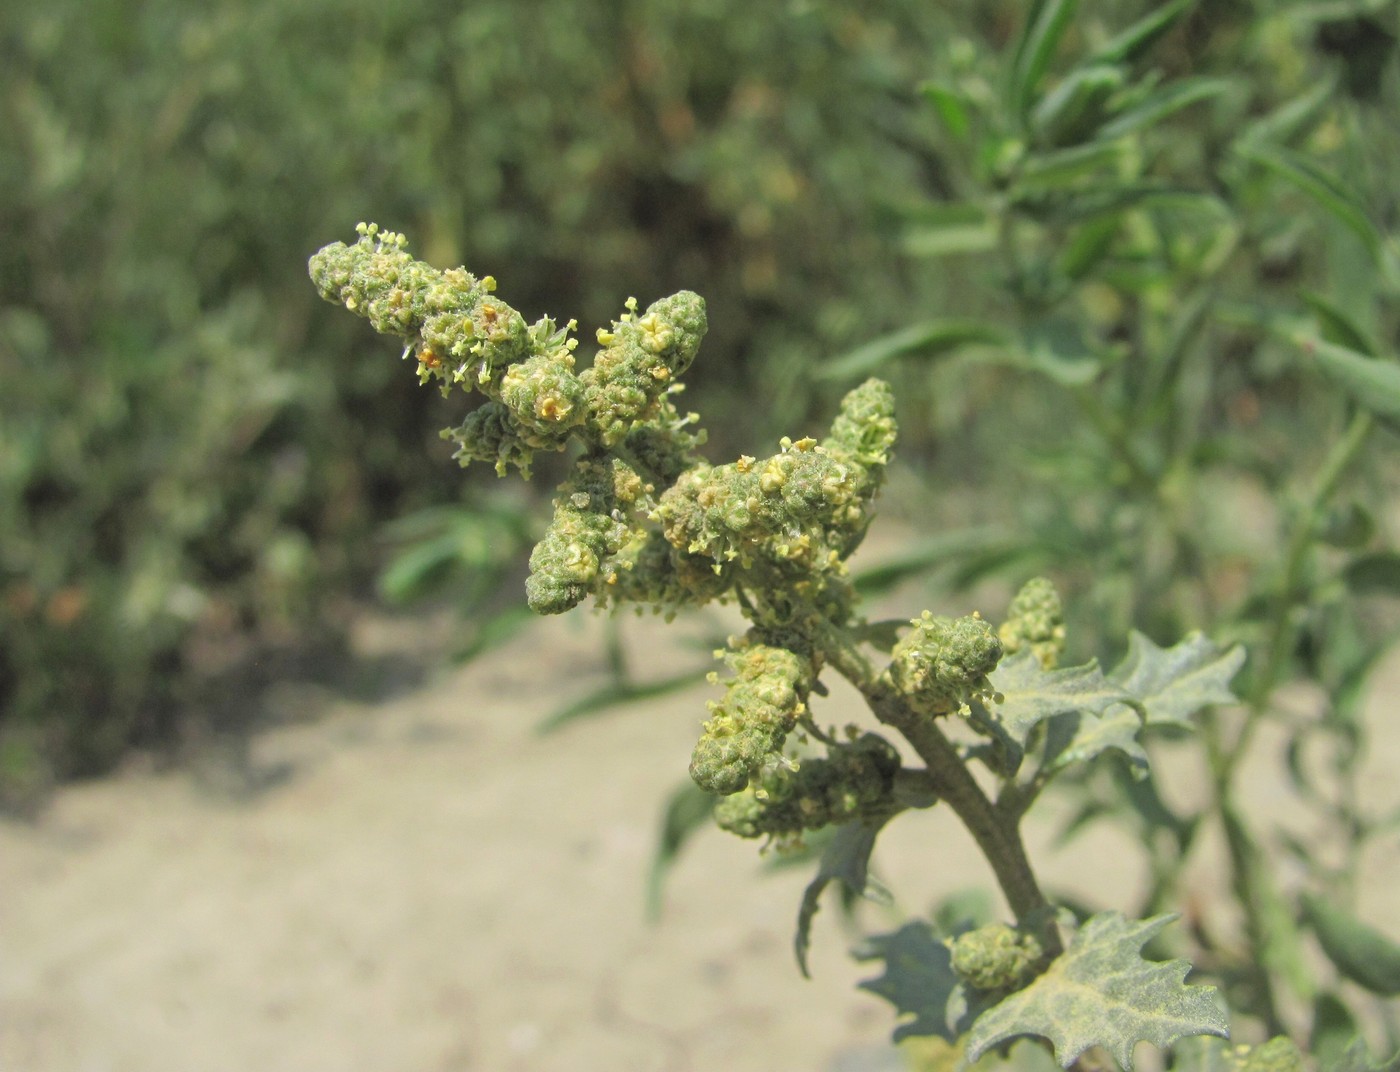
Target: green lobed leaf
(846,859)
(1031,694)
(1360,952)
(918,979)
(1172,684)
(1080,736)
(1101,992)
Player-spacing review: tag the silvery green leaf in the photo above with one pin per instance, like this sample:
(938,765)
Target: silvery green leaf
(1101,992)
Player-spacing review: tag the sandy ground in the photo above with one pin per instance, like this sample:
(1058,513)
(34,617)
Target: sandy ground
(428,885)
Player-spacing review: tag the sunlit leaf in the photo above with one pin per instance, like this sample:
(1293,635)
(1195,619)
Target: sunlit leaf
(1101,992)
(1030,693)
(1172,684)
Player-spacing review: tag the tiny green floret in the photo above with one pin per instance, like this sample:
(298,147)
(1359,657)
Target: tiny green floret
(997,957)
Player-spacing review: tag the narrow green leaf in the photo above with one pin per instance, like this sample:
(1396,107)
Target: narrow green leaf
(1360,952)
(1337,326)
(1133,42)
(1061,167)
(952,107)
(1162,103)
(1045,26)
(1371,383)
(1172,684)
(616,693)
(1101,992)
(1030,693)
(1323,189)
(928,339)
(929,553)
(1073,110)
(687,811)
(1055,346)
(1290,120)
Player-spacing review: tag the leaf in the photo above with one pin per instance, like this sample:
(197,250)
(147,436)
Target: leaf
(1080,736)
(688,809)
(938,229)
(935,551)
(1031,694)
(1100,992)
(1045,26)
(1371,383)
(918,979)
(1073,110)
(1337,326)
(1161,103)
(952,108)
(1143,34)
(847,859)
(1172,684)
(615,693)
(929,339)
(1323,189)
(1376,572)
(1360,952)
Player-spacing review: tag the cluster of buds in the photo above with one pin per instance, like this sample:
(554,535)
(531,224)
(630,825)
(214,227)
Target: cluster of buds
(642,519)
(853,782)
(763,700)
(941,664)
(997,957)
(1035,621)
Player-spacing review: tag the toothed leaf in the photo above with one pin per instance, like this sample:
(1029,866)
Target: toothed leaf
(1101,992)
(1031,694)
(1174,683)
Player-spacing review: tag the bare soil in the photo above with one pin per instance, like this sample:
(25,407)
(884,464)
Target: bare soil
(426,884)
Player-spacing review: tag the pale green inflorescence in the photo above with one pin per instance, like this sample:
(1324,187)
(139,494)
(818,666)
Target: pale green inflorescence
(747,729)
(853,782)
(942,664)
(641,518)
(1035,620)
(996,957)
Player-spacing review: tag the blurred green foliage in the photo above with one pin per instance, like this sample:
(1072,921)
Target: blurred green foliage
(192,455)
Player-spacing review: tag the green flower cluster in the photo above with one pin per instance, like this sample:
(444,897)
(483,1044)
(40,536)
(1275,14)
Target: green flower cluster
(1035,620)
(996,957)
(747,729)
(853,781)
(462,335)
(795,515)
(942,663)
